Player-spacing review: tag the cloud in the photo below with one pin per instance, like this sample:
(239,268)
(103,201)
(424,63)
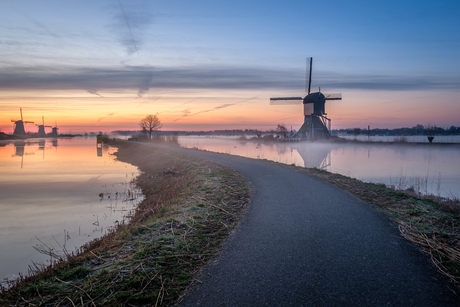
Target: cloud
(187,102)
(388,82)
(101,118)
(144,78)
(144,86)
(94,92)
(188,113)
(129,24)
(215,108)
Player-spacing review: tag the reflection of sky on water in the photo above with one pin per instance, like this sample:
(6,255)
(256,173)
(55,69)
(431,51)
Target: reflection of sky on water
(428,168)
(408,138)
(51,186)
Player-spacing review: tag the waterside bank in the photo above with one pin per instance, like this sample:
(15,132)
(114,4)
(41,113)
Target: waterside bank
(190,207)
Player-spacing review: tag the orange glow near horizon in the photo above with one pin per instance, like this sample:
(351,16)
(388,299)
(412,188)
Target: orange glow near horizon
(204,110)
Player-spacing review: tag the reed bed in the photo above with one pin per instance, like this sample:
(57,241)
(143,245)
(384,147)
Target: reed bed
(190,208)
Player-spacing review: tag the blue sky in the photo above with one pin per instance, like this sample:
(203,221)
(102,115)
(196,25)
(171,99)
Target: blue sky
(385,57)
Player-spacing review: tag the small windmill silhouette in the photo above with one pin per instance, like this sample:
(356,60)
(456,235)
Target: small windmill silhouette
(41,128)
(316,125)
(55,130)
(19,125)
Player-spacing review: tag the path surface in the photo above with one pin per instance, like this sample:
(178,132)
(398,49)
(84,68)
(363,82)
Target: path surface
(304,242)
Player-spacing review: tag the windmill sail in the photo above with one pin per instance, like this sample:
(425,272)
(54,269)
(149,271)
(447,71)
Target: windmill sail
(309,63)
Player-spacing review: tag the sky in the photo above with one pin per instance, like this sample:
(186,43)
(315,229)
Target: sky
(205,65)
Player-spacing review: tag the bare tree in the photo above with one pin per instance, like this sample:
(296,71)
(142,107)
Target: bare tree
(281,130)
(150,123)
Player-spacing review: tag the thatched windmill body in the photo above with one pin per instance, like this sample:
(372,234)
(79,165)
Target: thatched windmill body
(316,125)
(19,125)
(41,128)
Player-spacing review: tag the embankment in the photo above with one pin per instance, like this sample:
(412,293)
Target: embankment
(190,208)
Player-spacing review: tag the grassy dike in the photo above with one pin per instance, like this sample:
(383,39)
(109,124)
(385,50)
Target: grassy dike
(190,208)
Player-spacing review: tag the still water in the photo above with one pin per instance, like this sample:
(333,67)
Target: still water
(427,168)
(58,193)
(409,138)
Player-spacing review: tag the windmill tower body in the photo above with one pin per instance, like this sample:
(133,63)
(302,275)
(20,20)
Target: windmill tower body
(41,128)
(41,131)
(54,130)
(19,128)
(316,125)
(19,125)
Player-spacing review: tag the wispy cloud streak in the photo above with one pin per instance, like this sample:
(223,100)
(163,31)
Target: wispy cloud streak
(94,92)
(129,28)
(101,118)
(129,25)
(188,113)
(143,78)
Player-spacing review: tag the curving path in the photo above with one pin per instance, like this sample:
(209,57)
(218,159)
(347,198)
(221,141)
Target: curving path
(304,242)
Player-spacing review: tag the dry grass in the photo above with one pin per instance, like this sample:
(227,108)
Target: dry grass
(190,207)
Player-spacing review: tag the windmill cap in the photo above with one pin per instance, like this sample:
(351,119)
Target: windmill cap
(314,98)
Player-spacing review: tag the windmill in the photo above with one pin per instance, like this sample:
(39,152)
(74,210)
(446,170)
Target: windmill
(41,128)
(55,130)
(19,128)
(316,125)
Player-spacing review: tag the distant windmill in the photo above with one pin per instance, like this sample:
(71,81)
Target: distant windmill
(19,128)
(41,128)
(55,130)
(316,125)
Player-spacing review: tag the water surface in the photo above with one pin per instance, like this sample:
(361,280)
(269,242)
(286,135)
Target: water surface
(408,138)
(55,193)
(427,168)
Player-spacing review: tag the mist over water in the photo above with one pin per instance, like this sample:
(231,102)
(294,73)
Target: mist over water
(426,168)
(55,193)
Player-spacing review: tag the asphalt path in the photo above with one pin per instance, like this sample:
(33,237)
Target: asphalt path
(305,242)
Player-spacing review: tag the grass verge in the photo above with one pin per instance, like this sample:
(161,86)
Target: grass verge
(190,208)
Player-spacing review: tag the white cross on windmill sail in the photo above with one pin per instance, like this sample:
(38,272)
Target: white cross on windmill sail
(316,124)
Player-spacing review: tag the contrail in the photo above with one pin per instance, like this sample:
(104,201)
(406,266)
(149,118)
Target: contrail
(129,28)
